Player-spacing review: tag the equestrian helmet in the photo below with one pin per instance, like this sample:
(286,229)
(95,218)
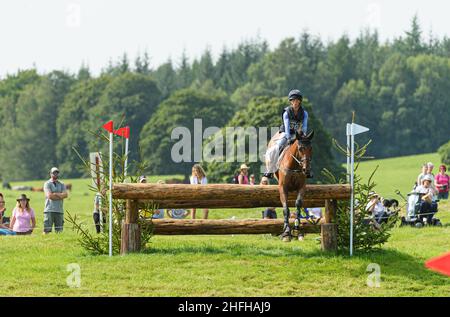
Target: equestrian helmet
(295,94)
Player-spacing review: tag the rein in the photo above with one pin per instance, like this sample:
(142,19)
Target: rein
(287,170)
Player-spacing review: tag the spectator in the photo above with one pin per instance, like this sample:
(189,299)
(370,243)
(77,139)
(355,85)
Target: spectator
(177,213)
(428,206)
(243,176)
(375,206)
(315,212)
(270,212)
(422,174)
(55,193)
(252,179)
(143,179)
(442,182)
(199,177)
(4,228)
(430,167)
(23,219)
(2,208)
(158,213)
(98,214)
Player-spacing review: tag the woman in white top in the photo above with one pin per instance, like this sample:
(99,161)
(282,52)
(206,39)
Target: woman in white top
(199,177)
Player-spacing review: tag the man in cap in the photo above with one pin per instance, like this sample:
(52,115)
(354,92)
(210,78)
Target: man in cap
(55,193)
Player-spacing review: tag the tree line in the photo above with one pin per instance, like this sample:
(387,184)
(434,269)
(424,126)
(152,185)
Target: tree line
(397,88)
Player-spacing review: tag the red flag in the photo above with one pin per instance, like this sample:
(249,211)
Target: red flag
(440,264)
(109,127)
(123,132)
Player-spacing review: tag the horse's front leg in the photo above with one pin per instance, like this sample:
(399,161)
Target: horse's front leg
(286,235)
(299,205)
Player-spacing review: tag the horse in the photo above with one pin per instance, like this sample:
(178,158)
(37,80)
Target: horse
(291,175)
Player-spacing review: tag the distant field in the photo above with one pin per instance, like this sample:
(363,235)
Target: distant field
(397,173)
(227,266)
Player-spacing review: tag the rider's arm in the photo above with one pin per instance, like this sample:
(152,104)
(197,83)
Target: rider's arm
(305,122)
(286,125)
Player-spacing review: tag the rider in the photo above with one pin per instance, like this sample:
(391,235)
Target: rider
(294,118)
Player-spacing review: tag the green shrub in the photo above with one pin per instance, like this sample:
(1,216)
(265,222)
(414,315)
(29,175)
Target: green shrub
(444,152)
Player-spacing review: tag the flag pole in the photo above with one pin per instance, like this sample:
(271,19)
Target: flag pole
(126,157)
(110,190)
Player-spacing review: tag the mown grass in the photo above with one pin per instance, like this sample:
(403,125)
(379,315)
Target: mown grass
(258,265)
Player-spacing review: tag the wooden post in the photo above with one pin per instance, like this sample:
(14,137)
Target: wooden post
(131,232)
(329,228)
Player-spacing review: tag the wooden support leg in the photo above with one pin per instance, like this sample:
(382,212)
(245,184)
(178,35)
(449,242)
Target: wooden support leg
(329,228)
(131,231)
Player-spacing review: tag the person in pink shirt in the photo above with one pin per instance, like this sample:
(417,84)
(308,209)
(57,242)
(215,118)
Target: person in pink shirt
(442,182)
(23,219)
(243,176)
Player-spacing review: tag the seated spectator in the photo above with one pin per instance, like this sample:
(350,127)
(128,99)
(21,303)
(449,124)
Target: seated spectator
(428,206)
(252,179)
(442,182)
(315,212)
(270,212)
(375,206)
(143,179)
(6,185)
(23,219)
(177,213)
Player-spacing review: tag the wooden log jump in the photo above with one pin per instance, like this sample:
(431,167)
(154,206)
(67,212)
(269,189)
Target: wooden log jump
(224,196)
(225,226)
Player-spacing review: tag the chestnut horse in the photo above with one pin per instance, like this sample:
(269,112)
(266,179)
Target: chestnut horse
(291,175)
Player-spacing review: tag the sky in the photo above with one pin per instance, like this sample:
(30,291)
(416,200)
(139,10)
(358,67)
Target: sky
(64,34)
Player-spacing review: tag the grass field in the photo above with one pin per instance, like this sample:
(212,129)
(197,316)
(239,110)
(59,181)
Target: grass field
(259,265)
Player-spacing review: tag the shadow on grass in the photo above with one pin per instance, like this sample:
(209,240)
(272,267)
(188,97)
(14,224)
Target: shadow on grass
(393,263)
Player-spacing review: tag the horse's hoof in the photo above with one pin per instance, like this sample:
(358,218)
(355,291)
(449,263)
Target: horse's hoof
(301,237)
(286,239)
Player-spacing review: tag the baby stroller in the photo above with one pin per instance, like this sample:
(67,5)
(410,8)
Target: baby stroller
(419,212)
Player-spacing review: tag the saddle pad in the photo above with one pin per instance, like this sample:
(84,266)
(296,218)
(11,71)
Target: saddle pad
(281,156)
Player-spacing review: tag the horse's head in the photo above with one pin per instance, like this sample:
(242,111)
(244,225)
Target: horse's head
(304,148)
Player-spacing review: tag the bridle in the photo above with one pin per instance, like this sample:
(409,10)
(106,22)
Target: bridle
(300,162)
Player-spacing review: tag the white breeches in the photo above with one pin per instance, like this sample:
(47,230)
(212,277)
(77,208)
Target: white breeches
(272,153)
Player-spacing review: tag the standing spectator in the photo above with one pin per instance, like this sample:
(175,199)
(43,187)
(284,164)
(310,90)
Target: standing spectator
(4,229)
(55,193)
(252,179)
(422,174)
(243,176)
(442,182)
(98,214)
(23,220)
(430,167)
(270,212)
(199,177)
(158,213)
(2,208)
